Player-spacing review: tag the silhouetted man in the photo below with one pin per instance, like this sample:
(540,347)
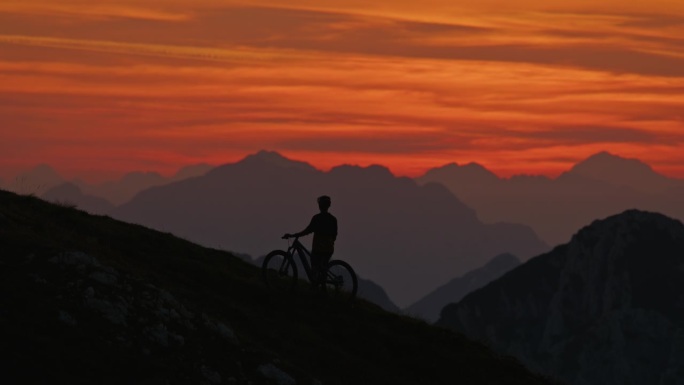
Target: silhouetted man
(324,227)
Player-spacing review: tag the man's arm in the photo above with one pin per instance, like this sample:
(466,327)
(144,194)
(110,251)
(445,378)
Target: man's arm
(308,230)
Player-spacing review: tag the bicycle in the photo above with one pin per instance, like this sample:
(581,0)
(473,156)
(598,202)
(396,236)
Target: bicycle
(279,272)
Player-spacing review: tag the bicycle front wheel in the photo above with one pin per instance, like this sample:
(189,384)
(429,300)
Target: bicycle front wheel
(340,281)
(279,271)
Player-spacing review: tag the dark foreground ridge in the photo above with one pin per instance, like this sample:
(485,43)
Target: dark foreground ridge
(86,299)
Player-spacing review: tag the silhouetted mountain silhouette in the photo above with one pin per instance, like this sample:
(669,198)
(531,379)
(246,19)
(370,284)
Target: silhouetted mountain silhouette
(122,190)
(599,186)
(618,171)
(405,237)
(69,193)
(36,181)
(192,171)
(44,181)
(430,306)
(606,308)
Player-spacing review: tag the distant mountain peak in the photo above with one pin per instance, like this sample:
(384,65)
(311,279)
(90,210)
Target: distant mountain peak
(503,259)
(66,188)
(606,162)
(606,156)
(44,168)
(374,170)
(274,158)
(43,171)
(192,171)
(476,166)
(36,180)
(268,155)
(619,171)
(627,222)
(142,176)
(429,307)
(472,166)
(471,172)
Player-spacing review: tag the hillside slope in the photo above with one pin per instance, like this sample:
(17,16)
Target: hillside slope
(86,299)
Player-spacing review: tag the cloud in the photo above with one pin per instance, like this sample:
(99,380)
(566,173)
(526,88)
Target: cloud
(614,43)
(408,87)
(592,134)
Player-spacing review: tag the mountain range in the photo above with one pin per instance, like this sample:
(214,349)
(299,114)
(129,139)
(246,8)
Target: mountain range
(122,190)
(407,238)
(606,308)
(430,306)
(44,181)
(601,185)
(87,299)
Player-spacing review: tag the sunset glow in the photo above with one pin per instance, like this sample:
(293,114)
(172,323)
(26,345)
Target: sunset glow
(526,88)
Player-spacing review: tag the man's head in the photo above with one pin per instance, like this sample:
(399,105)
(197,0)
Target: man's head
(324,203)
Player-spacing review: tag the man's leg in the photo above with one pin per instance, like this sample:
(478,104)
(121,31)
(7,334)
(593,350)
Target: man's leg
(319,266)
(315,268)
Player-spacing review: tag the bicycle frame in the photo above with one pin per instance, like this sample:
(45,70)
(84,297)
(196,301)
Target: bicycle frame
(304,256)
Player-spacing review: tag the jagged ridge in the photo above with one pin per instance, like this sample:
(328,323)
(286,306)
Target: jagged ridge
(606,308)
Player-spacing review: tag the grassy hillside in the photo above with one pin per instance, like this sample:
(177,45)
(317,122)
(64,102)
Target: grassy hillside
(87,299)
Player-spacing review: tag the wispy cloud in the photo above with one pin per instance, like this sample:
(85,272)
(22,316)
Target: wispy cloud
(402,83)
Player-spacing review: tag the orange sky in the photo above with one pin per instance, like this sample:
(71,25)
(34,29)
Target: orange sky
(521,87)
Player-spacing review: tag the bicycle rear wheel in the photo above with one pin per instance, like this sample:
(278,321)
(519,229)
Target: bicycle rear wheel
(279,271)
(340,281)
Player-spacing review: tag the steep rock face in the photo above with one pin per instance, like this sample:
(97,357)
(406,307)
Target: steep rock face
(607,308)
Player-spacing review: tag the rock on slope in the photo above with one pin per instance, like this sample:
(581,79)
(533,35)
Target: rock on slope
(606,308)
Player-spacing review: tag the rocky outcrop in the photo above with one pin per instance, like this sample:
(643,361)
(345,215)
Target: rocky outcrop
(607,308)
(135,318)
